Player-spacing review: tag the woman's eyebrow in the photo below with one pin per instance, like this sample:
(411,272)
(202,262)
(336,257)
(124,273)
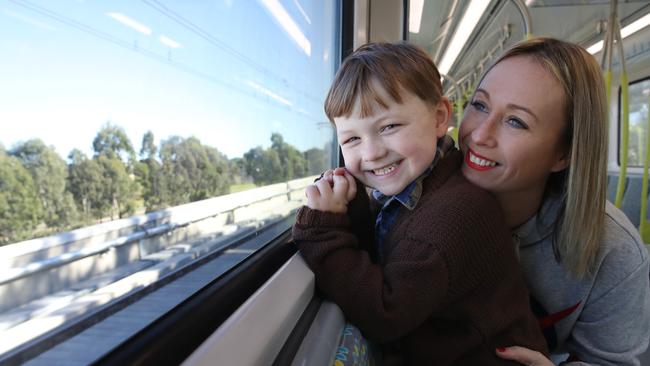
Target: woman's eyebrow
(509,105)
(522,108)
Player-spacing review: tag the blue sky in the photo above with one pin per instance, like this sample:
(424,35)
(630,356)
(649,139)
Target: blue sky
(228,71)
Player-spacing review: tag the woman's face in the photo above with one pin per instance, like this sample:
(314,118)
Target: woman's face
(511,134)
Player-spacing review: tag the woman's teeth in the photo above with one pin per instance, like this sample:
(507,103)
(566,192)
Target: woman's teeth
(482,162)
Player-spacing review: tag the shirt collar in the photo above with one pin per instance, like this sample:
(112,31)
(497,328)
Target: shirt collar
(410,196)
(540,226)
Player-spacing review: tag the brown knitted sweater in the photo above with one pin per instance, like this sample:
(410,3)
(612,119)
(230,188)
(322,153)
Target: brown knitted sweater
(450,290)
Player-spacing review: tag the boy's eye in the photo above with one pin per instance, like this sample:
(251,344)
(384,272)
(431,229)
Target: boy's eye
(351,139)
(389,127)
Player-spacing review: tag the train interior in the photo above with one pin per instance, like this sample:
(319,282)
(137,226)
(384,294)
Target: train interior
(265,309)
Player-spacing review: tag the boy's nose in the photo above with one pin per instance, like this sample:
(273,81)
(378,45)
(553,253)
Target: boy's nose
(373,151)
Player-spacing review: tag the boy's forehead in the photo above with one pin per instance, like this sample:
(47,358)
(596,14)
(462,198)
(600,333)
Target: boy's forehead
(376,100)
(373,106)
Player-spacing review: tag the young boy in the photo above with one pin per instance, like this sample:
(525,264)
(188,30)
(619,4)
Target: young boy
(427,268)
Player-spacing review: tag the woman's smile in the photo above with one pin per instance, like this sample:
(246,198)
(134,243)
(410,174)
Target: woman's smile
(478,162)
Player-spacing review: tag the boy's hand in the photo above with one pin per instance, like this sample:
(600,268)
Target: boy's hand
(332,192)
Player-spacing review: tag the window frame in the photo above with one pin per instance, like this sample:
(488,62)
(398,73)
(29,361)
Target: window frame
(175,335)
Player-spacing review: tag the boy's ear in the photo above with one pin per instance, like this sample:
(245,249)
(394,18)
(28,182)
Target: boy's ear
(443,113)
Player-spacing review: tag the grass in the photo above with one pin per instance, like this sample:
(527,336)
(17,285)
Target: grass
(241,187)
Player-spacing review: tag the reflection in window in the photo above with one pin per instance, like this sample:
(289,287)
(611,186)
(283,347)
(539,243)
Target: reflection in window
(118,114)
(639,92)
(119,108)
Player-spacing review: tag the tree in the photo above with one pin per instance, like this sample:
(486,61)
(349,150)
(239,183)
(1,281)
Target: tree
(149,148)
(263,165)
(292,161)
(280,163)
(238,171)
(317,161)
(112,142)
(49,172)
(218,174)
(86,183)
(147,173)
(119,189)
(191,171)
(20,207)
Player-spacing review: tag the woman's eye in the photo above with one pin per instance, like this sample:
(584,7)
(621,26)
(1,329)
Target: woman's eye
(517,123)
(479,106)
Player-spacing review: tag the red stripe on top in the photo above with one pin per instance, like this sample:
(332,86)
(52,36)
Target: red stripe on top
(548,320)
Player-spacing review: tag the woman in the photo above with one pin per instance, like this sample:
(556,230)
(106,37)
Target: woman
(535,135)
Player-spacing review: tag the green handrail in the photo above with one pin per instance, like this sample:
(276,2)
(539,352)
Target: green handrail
(644,228)
(625,138)
(614,34)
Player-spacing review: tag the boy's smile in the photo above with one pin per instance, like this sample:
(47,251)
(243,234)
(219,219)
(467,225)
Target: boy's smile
(393,146)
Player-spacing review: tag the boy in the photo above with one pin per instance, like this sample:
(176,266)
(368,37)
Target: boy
(439,283)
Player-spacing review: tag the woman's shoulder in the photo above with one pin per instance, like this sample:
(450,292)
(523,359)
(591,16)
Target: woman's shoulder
(458,203)
(622,252)
(621,238)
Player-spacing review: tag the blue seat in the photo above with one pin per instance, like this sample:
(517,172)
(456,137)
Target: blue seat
(612,181)
(631,204)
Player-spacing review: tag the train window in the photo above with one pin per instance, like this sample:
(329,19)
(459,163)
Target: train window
(639,94)
(143,135)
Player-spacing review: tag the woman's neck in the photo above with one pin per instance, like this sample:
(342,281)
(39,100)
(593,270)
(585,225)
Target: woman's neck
(519,207)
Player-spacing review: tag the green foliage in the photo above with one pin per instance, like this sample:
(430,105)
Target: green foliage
(120,191)
(318,160)
(149,148)
(85,182)
(37,187)
(20,208)
(112,142)
(48,173)
(263,166)
(241,187)
(280,163)
(191,171)
(292,161)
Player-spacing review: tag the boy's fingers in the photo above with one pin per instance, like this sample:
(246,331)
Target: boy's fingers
(324,188)
(312,195)
(352,186)
(339,171)
(340,186)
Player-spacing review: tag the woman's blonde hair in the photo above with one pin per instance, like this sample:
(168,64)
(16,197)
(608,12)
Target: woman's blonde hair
(582,186)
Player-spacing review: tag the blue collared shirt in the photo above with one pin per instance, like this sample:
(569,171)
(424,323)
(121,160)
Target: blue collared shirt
(408,198)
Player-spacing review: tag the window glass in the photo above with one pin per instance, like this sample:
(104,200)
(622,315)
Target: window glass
(639,92)
(123,120)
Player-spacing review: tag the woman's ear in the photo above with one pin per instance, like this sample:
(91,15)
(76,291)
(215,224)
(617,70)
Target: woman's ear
(443,113)
(562,162)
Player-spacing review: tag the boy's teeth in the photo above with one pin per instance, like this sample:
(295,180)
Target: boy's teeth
(478,161)
(385,170)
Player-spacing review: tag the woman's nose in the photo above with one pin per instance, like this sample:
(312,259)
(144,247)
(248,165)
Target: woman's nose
(485,132)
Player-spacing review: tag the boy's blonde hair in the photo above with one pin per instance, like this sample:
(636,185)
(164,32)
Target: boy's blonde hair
(582,186)
(393,66)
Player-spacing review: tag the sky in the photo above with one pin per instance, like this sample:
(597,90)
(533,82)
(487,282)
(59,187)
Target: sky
(229,72)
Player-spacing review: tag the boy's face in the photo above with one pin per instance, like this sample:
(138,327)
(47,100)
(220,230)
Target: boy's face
(392,147)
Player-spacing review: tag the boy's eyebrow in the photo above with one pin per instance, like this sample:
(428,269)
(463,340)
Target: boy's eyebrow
(510,105)
(380,117)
